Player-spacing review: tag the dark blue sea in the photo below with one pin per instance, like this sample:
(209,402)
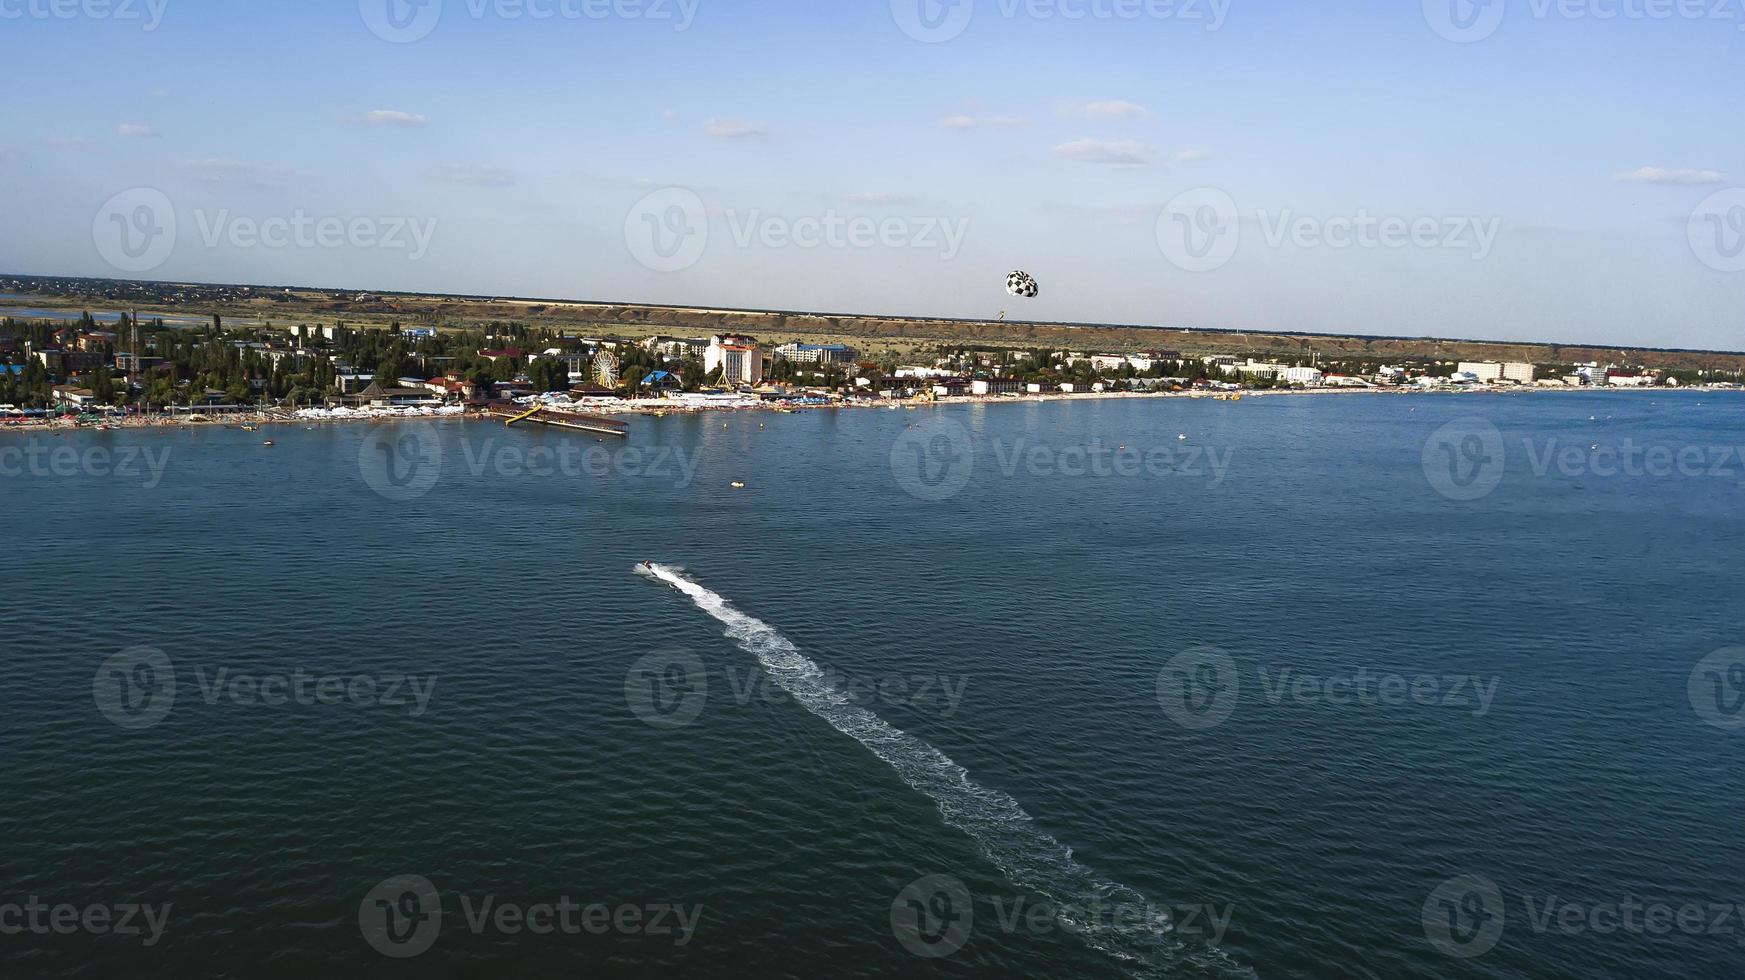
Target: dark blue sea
(1354,686)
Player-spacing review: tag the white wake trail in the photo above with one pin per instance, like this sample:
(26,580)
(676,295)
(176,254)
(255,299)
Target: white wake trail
(1028,856)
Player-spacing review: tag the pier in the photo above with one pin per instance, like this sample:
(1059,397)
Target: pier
(513,415)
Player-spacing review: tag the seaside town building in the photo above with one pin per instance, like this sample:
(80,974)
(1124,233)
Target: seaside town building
(677,347)
(821,354)
(1480,371)
(739,358)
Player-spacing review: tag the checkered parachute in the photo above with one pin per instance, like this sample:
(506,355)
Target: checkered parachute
(1021,284)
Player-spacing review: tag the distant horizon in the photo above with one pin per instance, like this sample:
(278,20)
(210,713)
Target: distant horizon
(705,308)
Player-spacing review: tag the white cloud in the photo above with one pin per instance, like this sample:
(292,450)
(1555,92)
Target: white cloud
(1192,156)
(472,175)
(1120,153)
(236,173)
(136,131)
(1103,109)
(1659,175)
(884,198)
(392,117)
(983,122)
(670,115)
(734,129)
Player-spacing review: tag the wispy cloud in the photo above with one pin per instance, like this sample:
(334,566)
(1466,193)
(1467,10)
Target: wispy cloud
(1118,153)
(472,175)
(1660,175)
(880,198)
(734,129)
(1126,214)
(236,173)
(1191,156)
(1102,109)
(70,143)
(392,117)
(136,131)
(982,122)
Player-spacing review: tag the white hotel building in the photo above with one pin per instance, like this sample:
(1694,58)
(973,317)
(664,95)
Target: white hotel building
(740,359)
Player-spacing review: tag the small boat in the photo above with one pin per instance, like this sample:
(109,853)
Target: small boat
(738,486)
(267,443)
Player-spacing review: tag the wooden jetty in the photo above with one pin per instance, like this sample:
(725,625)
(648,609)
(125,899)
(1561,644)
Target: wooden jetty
(513,414)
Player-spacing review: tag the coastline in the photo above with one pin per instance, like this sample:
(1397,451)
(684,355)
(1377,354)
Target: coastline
(662,407)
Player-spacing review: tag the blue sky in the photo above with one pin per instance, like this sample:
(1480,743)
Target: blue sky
(529,150)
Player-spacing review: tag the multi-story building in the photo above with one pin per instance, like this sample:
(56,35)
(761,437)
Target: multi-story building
(1520,372)
(816,353)
(679,347)
(739,358)
(1485,372)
